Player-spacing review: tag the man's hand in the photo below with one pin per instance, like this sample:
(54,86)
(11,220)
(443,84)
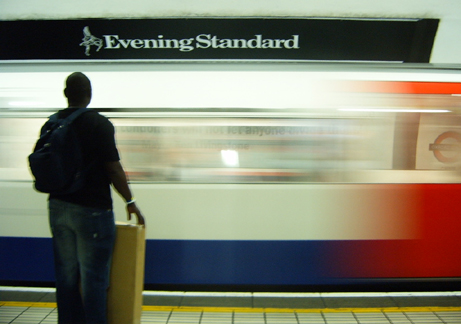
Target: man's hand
(133,209)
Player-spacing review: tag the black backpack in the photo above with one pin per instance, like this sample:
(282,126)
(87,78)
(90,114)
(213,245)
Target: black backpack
(56,162)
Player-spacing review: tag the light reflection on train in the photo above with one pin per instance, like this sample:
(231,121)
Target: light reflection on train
(279,197)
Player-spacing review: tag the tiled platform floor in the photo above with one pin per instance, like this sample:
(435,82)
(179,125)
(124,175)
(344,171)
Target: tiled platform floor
(23,306)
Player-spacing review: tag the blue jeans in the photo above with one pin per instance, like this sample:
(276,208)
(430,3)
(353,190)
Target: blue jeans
(83,240)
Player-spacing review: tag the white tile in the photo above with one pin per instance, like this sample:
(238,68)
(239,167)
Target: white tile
(423,317)
(155,314)
(184,317)
(340,318)
(21,320)
(451,316)
(218,318)
(216,321)
(249,318)
(309,316)
(311,320)
(154,317)
(13,309)
(281,318)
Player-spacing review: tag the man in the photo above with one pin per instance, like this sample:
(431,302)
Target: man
(82,223)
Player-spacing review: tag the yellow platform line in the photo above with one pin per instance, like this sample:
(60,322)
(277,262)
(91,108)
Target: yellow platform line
(27,304)
(259,310)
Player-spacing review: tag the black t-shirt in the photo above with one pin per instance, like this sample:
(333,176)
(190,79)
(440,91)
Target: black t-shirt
(97,136)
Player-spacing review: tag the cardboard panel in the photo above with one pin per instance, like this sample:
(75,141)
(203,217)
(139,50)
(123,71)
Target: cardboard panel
(127,275)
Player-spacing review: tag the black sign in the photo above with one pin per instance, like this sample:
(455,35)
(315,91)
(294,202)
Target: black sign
(273,39)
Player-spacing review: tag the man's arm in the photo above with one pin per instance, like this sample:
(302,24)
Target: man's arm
(120,182)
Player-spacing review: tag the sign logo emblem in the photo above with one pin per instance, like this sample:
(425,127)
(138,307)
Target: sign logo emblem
(447,147)
(90,40)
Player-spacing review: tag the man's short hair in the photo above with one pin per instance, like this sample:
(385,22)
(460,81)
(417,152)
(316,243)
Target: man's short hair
(77,86)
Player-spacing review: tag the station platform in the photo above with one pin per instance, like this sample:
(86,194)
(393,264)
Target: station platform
(20,305)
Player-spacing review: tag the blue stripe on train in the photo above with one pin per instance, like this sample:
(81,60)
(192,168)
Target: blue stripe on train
(26,259)
(236,262)
(198,262)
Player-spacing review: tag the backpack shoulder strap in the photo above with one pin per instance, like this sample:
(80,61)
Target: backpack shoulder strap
(54,121)
(50,125)
(75,114)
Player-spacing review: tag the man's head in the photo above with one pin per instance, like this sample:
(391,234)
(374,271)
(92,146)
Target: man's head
(78,90)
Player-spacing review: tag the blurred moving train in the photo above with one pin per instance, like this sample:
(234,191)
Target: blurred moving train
(262,177)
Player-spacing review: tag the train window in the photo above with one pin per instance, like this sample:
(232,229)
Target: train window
(252,150)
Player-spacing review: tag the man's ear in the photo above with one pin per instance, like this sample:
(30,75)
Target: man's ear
(65,92)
